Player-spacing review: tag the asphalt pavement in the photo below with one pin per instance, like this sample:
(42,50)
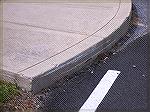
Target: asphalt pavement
(129,92)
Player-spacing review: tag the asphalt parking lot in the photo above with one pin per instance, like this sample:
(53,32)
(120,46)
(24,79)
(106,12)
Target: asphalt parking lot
(129,92)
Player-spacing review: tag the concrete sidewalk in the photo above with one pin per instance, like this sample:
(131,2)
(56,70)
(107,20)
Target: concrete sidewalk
(43,42)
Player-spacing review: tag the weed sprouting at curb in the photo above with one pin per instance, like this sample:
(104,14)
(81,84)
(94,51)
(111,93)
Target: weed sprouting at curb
(7,91)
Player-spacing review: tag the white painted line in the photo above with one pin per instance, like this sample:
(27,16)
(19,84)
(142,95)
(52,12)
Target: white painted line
(100,91)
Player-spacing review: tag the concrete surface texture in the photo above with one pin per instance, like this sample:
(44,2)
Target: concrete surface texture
(38,37)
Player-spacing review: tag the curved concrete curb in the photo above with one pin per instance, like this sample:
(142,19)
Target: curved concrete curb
(49,70)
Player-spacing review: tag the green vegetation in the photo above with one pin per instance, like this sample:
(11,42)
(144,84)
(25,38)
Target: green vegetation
(7,91)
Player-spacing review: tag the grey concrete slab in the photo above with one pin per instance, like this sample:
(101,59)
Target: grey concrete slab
(43,42)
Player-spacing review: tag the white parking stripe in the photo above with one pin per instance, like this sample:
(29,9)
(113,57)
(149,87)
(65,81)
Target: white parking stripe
(100,91)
